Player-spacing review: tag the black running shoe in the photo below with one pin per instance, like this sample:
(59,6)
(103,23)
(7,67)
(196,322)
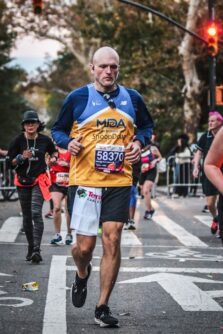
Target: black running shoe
(205,209)
(79,289)
(104,317)
(30,253)
(36,257)
(22,230)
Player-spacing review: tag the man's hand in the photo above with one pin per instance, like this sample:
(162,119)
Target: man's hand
(75,146)
(195,172)
(153,163)
(132,152)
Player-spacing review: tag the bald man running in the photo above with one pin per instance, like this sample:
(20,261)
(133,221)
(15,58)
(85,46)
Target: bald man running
(96,124)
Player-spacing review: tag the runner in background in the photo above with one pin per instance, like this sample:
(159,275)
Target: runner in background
(215,122)
(27,154)
(59,174)
(49,214)
(136,169)
(213,169)
(150,156)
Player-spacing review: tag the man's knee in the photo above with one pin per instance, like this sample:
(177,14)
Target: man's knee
(83,248)
(211,200)
(111,238)
(147,188)
(57,210)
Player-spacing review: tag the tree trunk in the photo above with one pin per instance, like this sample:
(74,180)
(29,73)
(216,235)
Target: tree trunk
(192,88)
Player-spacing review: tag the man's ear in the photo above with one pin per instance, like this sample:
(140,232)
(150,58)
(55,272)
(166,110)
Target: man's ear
(92,67)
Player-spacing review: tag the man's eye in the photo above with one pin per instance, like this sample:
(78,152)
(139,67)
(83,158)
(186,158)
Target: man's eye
(113,67)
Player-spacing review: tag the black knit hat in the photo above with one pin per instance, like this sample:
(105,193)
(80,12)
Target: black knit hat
(184,136)
(30,115)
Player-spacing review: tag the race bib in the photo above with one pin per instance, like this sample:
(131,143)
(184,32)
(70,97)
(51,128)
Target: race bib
(109,158)
(62,179)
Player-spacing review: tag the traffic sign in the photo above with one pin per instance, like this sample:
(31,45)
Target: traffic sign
(219,95)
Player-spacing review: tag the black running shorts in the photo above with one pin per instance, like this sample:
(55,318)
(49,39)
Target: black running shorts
(148,176)
(59,189)
(207,187)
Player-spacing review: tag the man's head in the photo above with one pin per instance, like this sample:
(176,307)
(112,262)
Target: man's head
(215,121)
(105,69)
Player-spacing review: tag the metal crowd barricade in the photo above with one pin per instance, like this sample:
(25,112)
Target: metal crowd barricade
(180,175)
(7,188)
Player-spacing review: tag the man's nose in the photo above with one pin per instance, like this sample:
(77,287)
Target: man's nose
(108,69)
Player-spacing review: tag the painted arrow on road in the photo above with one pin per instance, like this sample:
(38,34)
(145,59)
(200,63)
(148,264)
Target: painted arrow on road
(3,274)
(183,290)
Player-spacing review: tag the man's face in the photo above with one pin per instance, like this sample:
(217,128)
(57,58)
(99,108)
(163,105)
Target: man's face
(105,70)
(213,123)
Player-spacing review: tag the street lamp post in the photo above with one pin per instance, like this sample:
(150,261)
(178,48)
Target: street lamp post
(212,63)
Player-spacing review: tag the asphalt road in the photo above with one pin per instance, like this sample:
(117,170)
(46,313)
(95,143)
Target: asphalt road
(170,282)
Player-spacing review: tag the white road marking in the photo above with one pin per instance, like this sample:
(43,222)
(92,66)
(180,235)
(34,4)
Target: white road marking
(160,270)
(63,230)
(206,220)
(55,317)
(98,246)
(215,293)
(10,229)
(3,274)
(186,238)
(123,257)
(185,254)
(129,238)
(22,301)
(55,309)
(183,290)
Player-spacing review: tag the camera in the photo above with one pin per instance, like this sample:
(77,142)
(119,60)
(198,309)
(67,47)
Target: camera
(33,150)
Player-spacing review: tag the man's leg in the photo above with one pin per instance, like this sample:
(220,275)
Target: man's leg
(211,203)
(82,255)
(220,215)
(147,188)
(114,211)
(69,236)
(57,198)
(82,252)
(111,259)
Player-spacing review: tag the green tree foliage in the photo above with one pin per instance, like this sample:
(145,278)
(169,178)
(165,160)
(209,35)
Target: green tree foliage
(12,103)
(63,75)
(148,47)
(149,59)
